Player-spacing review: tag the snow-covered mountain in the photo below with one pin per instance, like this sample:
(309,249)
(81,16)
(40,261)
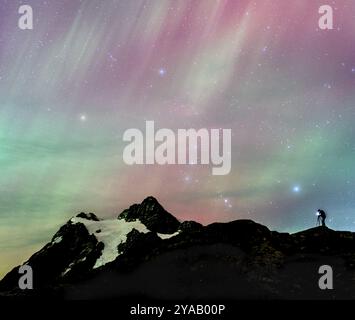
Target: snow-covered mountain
(111,233)
(86,243)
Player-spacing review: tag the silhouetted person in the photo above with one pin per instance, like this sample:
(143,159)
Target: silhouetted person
(321,217)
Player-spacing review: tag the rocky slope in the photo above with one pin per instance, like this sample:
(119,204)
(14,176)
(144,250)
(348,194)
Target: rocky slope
(147,253)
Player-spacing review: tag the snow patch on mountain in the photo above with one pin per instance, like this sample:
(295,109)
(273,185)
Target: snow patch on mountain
(167,236)
(57,239)
(112,233)
(71,265)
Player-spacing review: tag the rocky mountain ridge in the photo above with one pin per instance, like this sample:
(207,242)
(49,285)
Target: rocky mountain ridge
(146,252)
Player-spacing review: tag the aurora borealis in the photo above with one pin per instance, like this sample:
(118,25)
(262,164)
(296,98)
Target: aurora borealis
(89,70)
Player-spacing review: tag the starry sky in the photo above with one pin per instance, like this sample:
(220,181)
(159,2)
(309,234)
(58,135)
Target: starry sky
(89,70)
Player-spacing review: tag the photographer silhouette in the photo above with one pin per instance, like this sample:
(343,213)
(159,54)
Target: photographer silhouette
(321,217)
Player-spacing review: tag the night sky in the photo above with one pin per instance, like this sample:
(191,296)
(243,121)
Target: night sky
(91,69)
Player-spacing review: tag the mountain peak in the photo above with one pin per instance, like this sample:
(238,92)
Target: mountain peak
(88,216)
(152,215)
(150,199)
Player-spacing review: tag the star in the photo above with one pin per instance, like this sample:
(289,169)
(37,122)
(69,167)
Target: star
(227,204)
(112,58)
(296,189)
(83,118)
(162,72)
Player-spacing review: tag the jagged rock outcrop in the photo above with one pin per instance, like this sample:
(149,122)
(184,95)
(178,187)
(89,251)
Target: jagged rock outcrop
(152,215)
